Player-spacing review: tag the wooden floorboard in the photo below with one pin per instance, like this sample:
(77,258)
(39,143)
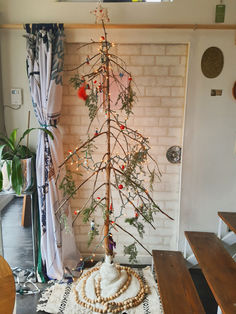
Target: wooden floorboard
(177,290)
(217,266)
(229,218)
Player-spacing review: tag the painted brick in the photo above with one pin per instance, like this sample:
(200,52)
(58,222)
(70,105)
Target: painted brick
(135,70)
(71,60)
(176,112)
(171,140)
(170,122)
(126,60)
(176,50)
(70,120)
(155,111)
(167,60)
(175,132)
(172,101)
(177,70)
(154,50)
(155,70)
(177,91)
(142,60)
(129,50)
(169,81)
(157,91)
(146,81)
(183,60)
(149,101)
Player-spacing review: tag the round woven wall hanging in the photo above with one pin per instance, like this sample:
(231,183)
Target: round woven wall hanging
(212,62)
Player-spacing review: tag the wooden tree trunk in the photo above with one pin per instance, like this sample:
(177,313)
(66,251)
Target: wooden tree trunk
(106,99)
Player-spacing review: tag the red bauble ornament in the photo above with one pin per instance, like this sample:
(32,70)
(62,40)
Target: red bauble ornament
(130,78)
(75,212)
(96,133)
(98,198)
(95,82)
(136,215)
(82,92)
(122,167)
(102,38)
(120,186)
(122,127)
(111,207)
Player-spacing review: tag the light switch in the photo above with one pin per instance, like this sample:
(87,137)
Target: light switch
(16,96)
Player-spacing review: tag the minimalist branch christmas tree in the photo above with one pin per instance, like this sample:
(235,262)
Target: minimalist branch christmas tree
(108,86)
(125,172)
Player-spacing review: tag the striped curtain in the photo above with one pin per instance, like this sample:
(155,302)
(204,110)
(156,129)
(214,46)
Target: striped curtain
(45,52)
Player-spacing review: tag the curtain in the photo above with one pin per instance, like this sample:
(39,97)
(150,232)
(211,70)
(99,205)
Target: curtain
(44,61)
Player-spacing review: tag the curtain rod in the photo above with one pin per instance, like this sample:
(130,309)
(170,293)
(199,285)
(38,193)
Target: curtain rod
(136,26)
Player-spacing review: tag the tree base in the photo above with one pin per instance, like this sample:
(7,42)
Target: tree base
(110,288)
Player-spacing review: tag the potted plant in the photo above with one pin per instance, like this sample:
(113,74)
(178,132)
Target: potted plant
(16,166)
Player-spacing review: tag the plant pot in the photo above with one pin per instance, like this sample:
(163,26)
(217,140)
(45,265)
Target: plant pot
(27,166)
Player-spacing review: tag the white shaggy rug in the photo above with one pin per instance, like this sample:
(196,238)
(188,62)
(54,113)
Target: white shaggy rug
(60,298)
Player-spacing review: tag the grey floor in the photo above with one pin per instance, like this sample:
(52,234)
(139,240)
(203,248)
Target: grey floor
(17,244)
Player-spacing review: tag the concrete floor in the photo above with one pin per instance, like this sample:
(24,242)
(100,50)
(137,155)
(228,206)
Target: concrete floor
(17,244)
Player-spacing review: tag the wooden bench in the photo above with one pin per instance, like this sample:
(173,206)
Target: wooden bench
(229,218)
(217,266)
(177,291)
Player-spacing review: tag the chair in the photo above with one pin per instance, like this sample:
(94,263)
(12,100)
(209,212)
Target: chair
(7,288)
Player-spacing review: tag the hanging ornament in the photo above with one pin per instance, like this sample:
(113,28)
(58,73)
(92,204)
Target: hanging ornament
(70,151)
(100,87)
(96,133)
(88,86)
(82,92)
(120,186)
(136,214)
(98,198)
(87,60)
(130,78)
(122,127)
(112,243)
(95,82)
(102,38)
(121,75)
(123,167)
(92,225)
(75,212)
(111,208)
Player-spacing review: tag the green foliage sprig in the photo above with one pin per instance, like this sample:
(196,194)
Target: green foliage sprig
(132,251)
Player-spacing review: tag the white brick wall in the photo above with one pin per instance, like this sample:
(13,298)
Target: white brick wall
(159,72)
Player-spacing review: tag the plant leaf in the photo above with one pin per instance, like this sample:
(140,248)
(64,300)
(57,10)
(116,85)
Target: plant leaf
(5,140)
(9,168)
(1,150)
(17,180)
(1,180)
(29,130)
(12,137)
